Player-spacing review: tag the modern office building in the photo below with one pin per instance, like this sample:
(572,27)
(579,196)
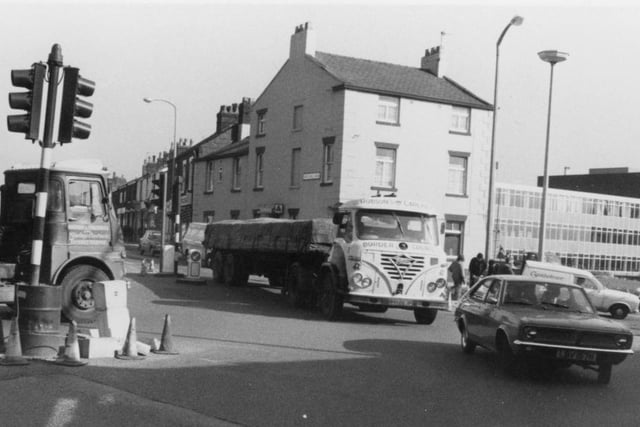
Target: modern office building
(593,231)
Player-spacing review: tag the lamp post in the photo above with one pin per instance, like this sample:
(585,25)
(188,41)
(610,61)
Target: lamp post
(552,57)
(174,170)
(516,20)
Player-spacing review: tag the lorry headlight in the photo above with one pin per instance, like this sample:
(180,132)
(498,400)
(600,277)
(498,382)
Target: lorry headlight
(432,286)
(441,283)
(360,280)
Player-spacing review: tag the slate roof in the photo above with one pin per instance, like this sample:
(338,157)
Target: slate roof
(399,80)
(230,150)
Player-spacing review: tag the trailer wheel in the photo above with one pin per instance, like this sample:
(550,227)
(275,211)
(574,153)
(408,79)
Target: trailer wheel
(331,301)
(77,292)
(217,267)
(234,272)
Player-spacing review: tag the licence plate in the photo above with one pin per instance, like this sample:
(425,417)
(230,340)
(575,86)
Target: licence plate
(582,356)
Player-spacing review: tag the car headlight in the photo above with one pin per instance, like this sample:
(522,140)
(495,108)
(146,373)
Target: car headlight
(623,341)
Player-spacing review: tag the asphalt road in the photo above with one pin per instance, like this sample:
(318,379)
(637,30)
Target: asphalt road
(247,358)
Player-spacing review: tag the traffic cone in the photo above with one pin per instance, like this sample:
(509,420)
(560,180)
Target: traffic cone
(71,356)
(130,349)
(166,343)
(13,352)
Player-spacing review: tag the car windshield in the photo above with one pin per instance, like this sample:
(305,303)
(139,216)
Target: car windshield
(546,296)
(402,226)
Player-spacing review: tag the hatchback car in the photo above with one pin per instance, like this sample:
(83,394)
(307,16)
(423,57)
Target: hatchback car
(150,242)
(542,323)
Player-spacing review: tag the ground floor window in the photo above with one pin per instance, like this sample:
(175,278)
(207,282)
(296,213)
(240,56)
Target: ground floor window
(453,237)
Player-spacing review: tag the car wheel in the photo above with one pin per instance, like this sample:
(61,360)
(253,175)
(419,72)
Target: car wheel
(331,301)
(604,373)
(468,346)
(618,311)
(425,316)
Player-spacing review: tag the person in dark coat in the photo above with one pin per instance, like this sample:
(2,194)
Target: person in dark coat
(457,275)
(476,268)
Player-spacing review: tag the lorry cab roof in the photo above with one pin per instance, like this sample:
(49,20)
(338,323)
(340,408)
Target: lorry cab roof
(93,166)
(388,203)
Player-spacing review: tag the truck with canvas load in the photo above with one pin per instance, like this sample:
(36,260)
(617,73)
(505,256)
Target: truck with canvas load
(83,242)
(375,253)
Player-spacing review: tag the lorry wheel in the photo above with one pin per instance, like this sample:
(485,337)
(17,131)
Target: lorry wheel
(618,311)
(331,301)
(77,292)
(298,285)
(233,271)
(425,316)
(217,267)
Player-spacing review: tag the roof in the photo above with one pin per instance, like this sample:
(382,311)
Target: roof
(400,80)
(233,149)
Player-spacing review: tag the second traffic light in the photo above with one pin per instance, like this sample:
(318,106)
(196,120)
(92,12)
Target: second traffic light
(157,192)
(31,101)
(73,106)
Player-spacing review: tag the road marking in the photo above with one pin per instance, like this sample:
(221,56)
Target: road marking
(63,412)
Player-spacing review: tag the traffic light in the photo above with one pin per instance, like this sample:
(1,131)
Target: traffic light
(73,106)
(32,79)
(157,192)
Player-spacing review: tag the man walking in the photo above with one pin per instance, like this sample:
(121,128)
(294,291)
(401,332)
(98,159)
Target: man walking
(457,275)
(476,268)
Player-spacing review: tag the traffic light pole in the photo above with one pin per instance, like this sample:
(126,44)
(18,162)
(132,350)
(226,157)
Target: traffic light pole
(164,218)
(42,185)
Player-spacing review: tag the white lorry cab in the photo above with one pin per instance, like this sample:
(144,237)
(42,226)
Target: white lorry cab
(618,303)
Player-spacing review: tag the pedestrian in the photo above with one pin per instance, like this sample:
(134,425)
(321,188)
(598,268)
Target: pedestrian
(476,268)
(501,254)
(457,275)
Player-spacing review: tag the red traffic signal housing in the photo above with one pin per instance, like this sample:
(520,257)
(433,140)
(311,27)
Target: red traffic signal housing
(73,106)
(31,101)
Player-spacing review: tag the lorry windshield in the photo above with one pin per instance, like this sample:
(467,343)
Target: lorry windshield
(396,225)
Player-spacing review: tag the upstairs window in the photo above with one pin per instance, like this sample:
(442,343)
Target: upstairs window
(457,174)
(297,117)
(460,120)
(237,174)
(385,173)
(388,109)
(261,128)
(209,177)
(327,160)
(259,173)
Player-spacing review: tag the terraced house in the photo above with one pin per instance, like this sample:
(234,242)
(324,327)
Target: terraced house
(330,128)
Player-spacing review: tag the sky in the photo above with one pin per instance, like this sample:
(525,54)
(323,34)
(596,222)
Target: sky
(200,55)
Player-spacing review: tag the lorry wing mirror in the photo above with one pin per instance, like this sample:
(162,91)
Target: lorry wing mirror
(442,228)
(338,219)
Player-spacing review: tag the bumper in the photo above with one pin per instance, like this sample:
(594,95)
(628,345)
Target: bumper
(397,302)
(573,354)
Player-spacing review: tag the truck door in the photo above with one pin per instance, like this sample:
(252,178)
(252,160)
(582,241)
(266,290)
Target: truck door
(87,218)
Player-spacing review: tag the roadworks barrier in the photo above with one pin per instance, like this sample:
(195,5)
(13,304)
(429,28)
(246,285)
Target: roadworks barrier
(13,348)
(71,355)
(166,342)
(130,349)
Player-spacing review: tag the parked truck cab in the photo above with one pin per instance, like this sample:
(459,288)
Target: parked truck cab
(82,243)
(387,254)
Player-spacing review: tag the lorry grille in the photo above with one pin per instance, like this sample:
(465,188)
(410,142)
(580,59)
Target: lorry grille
(401,266)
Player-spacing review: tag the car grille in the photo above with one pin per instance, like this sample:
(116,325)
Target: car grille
(401,266)
(575,338)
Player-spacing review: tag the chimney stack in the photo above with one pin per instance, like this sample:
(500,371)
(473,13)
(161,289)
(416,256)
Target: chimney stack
(303,42)
(432,61)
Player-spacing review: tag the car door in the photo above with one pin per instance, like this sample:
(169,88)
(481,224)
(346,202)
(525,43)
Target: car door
(473,307)
(593,291)
(491,312)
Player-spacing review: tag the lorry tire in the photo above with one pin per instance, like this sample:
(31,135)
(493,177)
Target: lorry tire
(330,301)
(233,271)
(77,292)
(425,316)
(298,286)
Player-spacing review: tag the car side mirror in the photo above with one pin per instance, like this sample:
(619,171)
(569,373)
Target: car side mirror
(492,300)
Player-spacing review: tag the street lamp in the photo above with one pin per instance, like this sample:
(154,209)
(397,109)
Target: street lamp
(516,20)
(174,169)
(552,57)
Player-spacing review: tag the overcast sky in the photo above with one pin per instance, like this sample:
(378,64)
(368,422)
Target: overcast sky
(201,55)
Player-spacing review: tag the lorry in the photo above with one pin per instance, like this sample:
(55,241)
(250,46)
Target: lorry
(375,253)
(619,304)
(83,243)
